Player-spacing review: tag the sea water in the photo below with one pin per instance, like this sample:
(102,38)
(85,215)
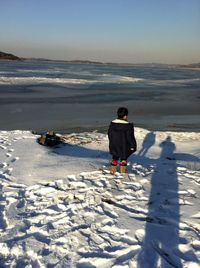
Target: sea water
(66,97)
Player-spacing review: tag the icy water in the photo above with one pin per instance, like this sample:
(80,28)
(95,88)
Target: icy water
(64,97)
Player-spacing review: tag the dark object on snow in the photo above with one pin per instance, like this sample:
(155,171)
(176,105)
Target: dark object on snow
(49,139)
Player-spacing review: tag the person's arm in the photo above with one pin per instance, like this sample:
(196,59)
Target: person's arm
(131,138)
(109,131)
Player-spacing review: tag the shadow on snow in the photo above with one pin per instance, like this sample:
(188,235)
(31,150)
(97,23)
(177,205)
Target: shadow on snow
(161,237)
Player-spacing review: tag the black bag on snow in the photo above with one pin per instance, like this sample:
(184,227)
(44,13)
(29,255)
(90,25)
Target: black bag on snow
(49,139)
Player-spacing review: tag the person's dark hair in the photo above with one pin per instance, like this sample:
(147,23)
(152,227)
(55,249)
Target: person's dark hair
(121,112)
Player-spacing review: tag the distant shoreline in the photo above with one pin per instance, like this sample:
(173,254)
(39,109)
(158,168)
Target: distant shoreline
(12,57)
(192,68)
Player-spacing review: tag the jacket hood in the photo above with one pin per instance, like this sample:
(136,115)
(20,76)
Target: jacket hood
(120,125)
(120,121)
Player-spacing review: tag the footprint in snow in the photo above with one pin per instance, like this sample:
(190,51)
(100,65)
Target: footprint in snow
(3,147)
(3,219)
(21,203)
(8,171)
(5,176)
(3,165)
(15,159)
(108,210)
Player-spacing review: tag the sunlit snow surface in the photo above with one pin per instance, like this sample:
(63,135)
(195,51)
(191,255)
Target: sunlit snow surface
(60,207)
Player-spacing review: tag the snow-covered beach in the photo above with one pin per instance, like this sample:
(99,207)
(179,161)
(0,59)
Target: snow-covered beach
(60,207)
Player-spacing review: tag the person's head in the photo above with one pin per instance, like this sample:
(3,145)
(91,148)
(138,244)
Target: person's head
(122,113)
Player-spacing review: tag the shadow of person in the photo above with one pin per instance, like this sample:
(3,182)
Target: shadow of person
(148,142)
(168,149)
(160,243)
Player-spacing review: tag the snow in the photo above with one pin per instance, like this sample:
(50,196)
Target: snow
(61,207)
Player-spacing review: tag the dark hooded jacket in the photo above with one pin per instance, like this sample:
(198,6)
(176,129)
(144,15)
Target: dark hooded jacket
(122,141)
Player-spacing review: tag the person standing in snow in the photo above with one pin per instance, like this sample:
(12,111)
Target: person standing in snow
(122,142)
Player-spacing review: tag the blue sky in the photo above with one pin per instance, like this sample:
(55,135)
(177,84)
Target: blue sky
(133,31)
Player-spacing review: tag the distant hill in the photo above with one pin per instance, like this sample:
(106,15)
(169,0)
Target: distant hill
(7,56)
(193,65)
(64,61)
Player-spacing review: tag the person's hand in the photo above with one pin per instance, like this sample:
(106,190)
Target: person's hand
(133,150)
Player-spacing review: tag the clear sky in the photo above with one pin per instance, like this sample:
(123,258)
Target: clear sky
(132,31)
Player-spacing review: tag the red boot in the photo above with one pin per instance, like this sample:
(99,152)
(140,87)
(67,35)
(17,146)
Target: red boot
(113,168)
(123,164)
